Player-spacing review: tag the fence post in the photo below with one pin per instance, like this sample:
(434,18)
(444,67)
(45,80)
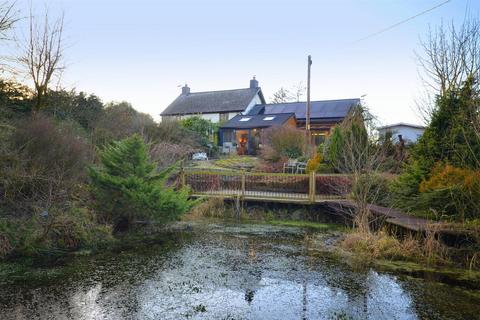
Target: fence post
(311,187)
(243,184)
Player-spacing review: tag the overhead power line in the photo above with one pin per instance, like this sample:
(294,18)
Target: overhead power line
(402,22)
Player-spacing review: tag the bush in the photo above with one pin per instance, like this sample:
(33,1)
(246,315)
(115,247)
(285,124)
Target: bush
(204,129)
(449,138)
(271,167)
(41,165)
(281,142)
(118,121)
(173,132)
(127,186)
(348,148)
(375,187)
(313,165)
(15,99)
(452,191)
(166,154)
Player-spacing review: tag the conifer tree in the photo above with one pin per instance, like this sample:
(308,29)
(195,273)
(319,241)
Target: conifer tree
(127,186)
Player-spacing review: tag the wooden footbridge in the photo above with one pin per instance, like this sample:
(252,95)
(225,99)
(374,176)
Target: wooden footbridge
(306,189)
(268,187)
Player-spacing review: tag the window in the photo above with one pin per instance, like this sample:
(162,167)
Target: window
(244,119)
(268,118)
(319,138)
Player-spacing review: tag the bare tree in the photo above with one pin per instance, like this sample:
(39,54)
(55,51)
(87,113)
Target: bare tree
(282,95)
(450,55)
(359,154)
(297,92)
(7,18)
(43,54)
(294,94)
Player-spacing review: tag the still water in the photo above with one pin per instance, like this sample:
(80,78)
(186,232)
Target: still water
(232,271)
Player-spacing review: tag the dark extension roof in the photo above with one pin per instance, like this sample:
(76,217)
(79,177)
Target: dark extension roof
(325,109)
(257,121)
(212,101)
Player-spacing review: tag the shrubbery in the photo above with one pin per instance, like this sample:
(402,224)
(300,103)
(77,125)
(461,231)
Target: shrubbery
(205,130)
(42,165)
(281,142)
(46,206)
(318,163)
(452,191)
(313,165)
(127,186)
(348,148)
(450,138)
(374,187)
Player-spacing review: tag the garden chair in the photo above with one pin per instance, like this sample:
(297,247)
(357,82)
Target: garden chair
(301,168)
(290,166)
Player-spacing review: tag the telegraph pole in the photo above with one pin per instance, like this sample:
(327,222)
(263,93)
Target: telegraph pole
(307,120)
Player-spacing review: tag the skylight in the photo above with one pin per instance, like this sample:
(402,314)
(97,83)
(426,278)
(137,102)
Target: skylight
(268,118)
(244,119)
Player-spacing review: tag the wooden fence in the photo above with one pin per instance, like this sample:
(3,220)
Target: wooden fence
(268,186)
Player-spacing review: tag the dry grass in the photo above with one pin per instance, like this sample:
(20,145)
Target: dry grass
(210,208)
(370,246)
(217,208)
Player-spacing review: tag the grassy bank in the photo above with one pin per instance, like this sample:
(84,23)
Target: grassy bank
(425,250)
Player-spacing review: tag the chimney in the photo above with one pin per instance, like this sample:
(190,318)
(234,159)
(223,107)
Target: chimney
(186,90)
(253,83)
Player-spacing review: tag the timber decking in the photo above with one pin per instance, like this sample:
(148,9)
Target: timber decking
(266,196)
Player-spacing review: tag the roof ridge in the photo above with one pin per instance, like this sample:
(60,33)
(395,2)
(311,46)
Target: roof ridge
(265,114)
(221,90)
(306,101)
(406,124)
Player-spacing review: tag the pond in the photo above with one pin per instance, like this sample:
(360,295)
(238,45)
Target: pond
(231,271)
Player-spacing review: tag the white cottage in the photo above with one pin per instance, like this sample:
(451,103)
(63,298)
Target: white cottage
(216,106)
(403,131)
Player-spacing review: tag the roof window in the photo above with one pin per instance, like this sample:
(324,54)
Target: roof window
(268,118)
(244,119)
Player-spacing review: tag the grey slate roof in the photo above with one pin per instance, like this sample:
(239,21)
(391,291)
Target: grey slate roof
(212,101)
(325,109)
(257,121)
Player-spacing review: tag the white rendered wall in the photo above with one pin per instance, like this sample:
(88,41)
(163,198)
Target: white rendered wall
(408,133)
(215,117)
(255,100)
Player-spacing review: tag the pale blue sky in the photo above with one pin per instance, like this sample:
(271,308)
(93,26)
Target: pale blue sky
(140,51)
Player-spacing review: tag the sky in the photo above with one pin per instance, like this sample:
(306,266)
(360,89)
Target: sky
(141,51)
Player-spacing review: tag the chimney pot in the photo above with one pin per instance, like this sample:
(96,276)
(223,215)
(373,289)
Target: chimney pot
(186,90)
(253,83)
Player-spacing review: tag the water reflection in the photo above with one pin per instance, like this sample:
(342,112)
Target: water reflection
(226,272)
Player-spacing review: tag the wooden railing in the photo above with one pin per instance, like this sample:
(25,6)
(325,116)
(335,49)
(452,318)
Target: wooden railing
(247,185)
